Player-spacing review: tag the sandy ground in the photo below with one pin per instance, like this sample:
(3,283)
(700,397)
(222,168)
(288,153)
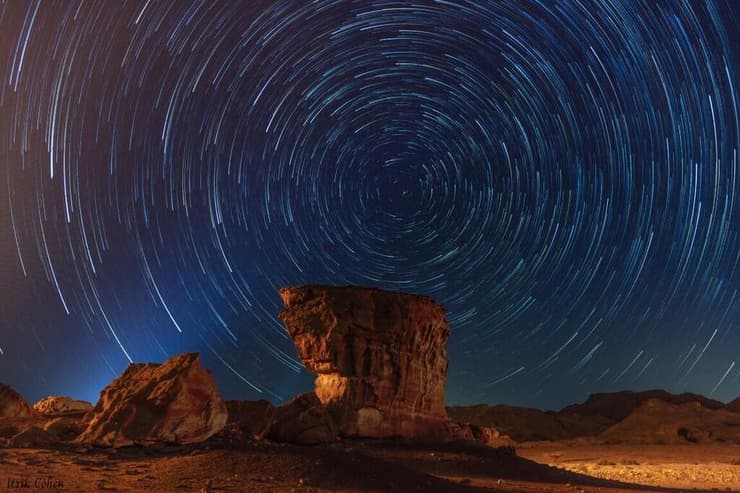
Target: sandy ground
(371,466)
(689,466)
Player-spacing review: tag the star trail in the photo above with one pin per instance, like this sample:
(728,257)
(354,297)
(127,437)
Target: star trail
(561,175)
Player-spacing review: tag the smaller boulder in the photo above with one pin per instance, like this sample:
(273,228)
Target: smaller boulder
(64,428)
(303,421)
(250,417)
(485,434)
(468,432)
(33,437)
(61,406)
(9,430)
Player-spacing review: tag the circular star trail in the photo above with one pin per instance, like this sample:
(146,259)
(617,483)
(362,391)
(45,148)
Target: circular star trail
(561,176)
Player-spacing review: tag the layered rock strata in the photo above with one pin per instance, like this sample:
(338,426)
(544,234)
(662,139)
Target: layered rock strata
(380,357)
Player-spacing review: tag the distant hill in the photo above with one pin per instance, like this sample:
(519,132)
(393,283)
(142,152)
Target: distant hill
(661,422)
(618,405)
(654,416)
(525,424)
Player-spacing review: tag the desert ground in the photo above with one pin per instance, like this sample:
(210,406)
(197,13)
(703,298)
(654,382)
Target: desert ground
(683,467)
(166,428)
(366,466)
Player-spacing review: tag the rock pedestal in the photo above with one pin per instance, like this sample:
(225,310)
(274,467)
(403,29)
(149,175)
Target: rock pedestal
(380,357)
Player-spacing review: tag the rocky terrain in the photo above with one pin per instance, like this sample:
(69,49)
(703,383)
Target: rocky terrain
(376,421)
(649,417)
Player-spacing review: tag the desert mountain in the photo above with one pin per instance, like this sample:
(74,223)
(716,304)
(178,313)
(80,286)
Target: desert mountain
(660,422)
(526,424)
(602,415)
(618,405)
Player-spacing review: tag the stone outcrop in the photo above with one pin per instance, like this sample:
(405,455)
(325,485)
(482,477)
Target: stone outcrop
(304,420)
(54,406)
(32,437)
(13,405)
(380,357)
(468,432)
(734,406)
(250,417)
(65,428)
(174,402)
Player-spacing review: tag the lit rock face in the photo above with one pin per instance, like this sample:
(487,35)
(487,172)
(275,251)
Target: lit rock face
(61,406)
(380,357)
(12,405)
(174,402)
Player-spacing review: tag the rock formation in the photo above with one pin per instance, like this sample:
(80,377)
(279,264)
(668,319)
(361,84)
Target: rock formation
(250,417)
(456,431)
(734,406)
(54,406)
(65,428)
(303,420)
(380,357)
(173,402)
(12,405)
(32,437)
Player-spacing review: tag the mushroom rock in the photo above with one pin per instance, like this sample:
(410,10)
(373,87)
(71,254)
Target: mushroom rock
(61,406)
(173,402)
(13,405)
(380,357)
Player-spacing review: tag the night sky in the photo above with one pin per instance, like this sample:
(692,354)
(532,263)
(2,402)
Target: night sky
(563,176)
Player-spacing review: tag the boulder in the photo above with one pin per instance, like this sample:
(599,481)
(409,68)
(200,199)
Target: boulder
(380,357)
(250,417)
(455,431)
(64,428)
(303,420)
(32,437)
(9,430)
(12,405)
(174,402)
(483,434)
(54,406)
